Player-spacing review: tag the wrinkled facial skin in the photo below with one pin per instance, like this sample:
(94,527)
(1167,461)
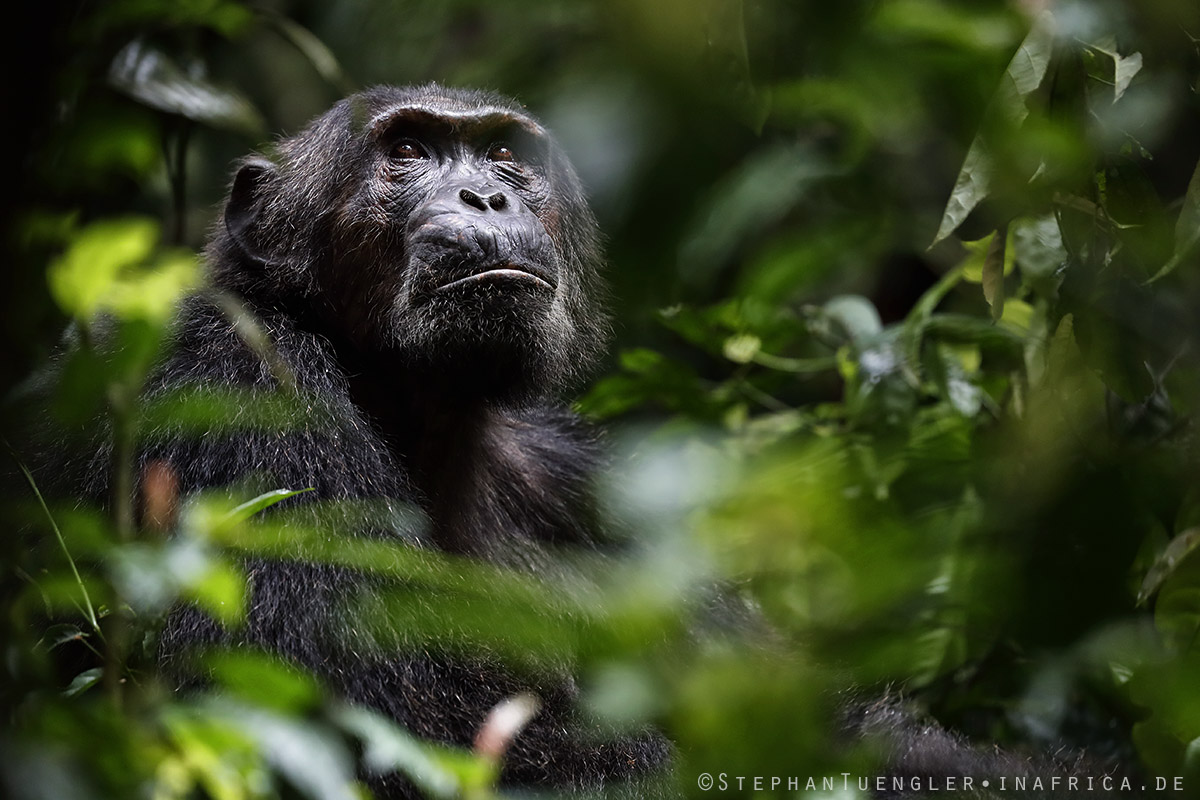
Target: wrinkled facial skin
(463,260)
(429,229)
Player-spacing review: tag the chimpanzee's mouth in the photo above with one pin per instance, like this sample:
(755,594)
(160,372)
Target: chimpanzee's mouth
(509,273)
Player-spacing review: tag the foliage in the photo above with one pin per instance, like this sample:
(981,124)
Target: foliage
(910,367)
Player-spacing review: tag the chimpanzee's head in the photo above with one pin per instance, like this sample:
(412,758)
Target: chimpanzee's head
(442,228)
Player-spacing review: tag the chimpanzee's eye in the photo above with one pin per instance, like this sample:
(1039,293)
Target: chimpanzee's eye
(408,149)
(501,152)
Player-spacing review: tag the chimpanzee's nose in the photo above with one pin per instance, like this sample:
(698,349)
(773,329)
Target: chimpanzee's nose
(496,201)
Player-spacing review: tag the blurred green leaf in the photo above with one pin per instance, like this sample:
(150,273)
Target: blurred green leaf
(60,634)
(227,17)
(742,349)
(318,54)
(264,679)
(222,591)
(85,276)
(214,409)
(753,197)
(856,318)
(310,758)
(152,77)
(436,770)
(83,681)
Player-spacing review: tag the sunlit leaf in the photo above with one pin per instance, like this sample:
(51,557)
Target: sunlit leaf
(83,278)
(1017,314)
(222,592)
(212,753)
(109,266)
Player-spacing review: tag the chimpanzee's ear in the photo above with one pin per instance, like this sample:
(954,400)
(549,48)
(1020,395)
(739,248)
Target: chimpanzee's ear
(244,211)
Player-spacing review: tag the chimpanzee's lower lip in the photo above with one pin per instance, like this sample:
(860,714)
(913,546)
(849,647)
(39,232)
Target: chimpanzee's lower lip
(501,274)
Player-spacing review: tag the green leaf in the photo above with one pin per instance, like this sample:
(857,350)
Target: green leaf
(1024,74)
(1187,227)
(1017,314)
(221,591)
(84,681)
(1114,354)
(1124,68)
(993,272)
(209,410)
(640,359)
(1164,565)
(263,679)
(109,267)
(312,760)
(971,187)
(83,278)
(248,509)
(57,635)
(756,195)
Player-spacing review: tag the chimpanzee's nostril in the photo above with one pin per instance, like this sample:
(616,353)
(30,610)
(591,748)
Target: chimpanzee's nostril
(472,199)
(497,201)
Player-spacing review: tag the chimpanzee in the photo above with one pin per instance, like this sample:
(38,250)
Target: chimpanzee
(425,266)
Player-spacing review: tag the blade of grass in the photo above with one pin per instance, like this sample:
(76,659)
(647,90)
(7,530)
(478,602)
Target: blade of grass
(89,611)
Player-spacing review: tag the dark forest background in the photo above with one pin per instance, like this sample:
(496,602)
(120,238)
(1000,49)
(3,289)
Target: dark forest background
(907,298)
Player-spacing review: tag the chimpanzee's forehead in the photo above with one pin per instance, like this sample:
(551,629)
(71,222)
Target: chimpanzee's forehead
(455,117)
(448,114)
